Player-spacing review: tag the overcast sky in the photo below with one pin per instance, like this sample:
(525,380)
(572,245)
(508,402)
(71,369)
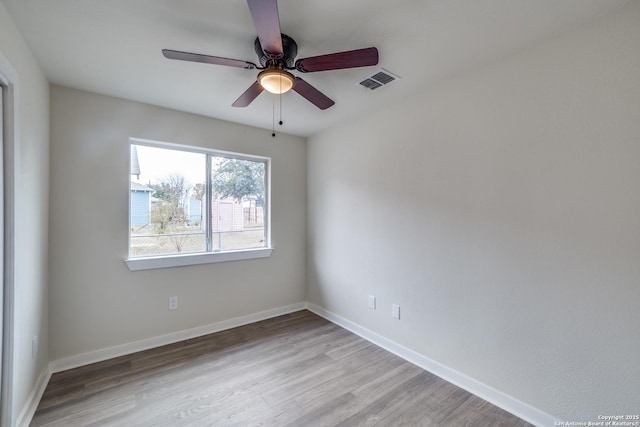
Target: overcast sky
(156,164)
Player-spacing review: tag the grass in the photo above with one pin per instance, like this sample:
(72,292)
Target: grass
(189,239)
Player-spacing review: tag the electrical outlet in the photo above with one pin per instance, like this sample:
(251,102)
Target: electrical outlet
(34,347)
(395,311)
(173,303)
(372,302)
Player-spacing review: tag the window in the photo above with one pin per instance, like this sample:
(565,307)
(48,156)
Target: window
(190,205)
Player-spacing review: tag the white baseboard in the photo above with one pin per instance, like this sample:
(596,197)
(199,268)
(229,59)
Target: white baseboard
(26,415)
(488,393)
(146,344)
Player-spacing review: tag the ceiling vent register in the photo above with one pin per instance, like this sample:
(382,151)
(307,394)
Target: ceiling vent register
(378,79)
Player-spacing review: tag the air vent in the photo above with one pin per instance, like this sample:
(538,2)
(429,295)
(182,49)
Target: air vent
(378,79)
(370,84)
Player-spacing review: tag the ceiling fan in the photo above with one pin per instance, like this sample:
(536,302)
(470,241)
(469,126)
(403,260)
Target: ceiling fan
(276,53)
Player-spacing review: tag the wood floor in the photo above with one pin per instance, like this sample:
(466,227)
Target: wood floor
(293,370)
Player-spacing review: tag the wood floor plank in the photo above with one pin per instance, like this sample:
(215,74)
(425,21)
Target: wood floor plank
(292,370)
(345,377)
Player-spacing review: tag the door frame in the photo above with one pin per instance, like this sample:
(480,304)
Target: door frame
(9,82)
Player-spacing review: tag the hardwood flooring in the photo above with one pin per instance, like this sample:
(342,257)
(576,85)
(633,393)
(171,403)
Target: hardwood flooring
(293,370)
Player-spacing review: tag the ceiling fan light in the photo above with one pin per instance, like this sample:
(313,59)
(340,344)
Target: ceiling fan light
(276,81)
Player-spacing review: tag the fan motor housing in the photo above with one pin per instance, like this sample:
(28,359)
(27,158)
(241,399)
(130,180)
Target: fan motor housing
(289,53)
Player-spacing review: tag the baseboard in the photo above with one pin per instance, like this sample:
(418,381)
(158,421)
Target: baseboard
(488,393)
(26,415)
(146,344)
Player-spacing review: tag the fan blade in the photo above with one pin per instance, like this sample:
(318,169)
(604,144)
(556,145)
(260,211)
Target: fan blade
(337,61)
(265,18)
(216,60)
(312,94)
(249,95)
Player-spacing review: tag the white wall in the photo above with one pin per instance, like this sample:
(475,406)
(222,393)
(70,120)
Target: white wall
(31,212)
(96,302)
(501,210)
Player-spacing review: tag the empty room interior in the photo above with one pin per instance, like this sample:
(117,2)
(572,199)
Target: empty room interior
(278,212)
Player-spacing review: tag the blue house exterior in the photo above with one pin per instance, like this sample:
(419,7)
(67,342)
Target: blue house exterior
(140,205)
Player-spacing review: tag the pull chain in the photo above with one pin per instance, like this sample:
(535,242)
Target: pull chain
(273,116)
(280,122)
(273,110)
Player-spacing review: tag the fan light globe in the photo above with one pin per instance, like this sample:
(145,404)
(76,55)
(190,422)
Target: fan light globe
(276,81)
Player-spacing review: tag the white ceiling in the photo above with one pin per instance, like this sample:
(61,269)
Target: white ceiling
(114,47)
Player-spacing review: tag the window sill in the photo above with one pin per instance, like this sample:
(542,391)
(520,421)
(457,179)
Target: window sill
(150,263)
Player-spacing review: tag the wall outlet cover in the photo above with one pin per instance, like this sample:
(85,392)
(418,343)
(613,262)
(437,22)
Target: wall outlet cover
(395,311)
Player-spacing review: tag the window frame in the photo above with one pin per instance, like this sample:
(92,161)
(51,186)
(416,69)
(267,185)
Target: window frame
(207,256)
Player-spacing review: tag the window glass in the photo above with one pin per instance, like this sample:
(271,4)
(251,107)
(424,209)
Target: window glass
(237,220)
(177,207)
